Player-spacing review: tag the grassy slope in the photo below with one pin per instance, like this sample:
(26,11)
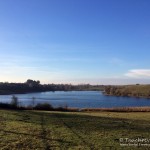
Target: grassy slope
(129,90)
(62,130)
(143,90)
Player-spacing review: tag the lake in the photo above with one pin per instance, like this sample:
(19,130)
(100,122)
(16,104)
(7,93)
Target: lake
(79,99)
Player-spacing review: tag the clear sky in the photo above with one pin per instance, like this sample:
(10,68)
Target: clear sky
(75,41)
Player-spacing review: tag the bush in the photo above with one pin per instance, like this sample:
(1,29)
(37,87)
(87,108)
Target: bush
(14,101)
(44,106)
(5,106)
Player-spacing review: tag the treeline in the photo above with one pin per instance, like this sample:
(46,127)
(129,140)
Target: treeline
(128,90)
(35,86)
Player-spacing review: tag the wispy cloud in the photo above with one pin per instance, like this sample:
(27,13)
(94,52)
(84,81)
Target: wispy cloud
(6,60)
(15,72)
(138,73)
(120,62)
(116,61)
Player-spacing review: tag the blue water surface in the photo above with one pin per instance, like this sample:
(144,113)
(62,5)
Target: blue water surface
(79,99)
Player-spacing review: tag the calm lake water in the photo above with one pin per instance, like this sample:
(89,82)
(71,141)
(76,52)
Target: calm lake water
(80,99)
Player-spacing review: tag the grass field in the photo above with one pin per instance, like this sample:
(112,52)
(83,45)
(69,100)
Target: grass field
(129,90)
(41,130)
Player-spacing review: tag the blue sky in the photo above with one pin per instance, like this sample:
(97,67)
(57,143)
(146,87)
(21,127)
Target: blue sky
(75,41)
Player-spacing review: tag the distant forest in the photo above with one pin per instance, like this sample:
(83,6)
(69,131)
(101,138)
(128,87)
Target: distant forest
(129,90)
(35,86)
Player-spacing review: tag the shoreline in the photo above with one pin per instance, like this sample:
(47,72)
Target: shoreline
(118,109)
(75,109)
(13,93)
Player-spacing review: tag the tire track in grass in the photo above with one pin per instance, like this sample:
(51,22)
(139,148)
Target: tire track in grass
(43,134)
(48,135)
(85,142)
(47,141)
(62,143)
(3,123)
(2,127)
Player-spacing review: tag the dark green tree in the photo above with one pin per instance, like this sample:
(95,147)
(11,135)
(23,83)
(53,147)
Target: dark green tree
(14,101)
